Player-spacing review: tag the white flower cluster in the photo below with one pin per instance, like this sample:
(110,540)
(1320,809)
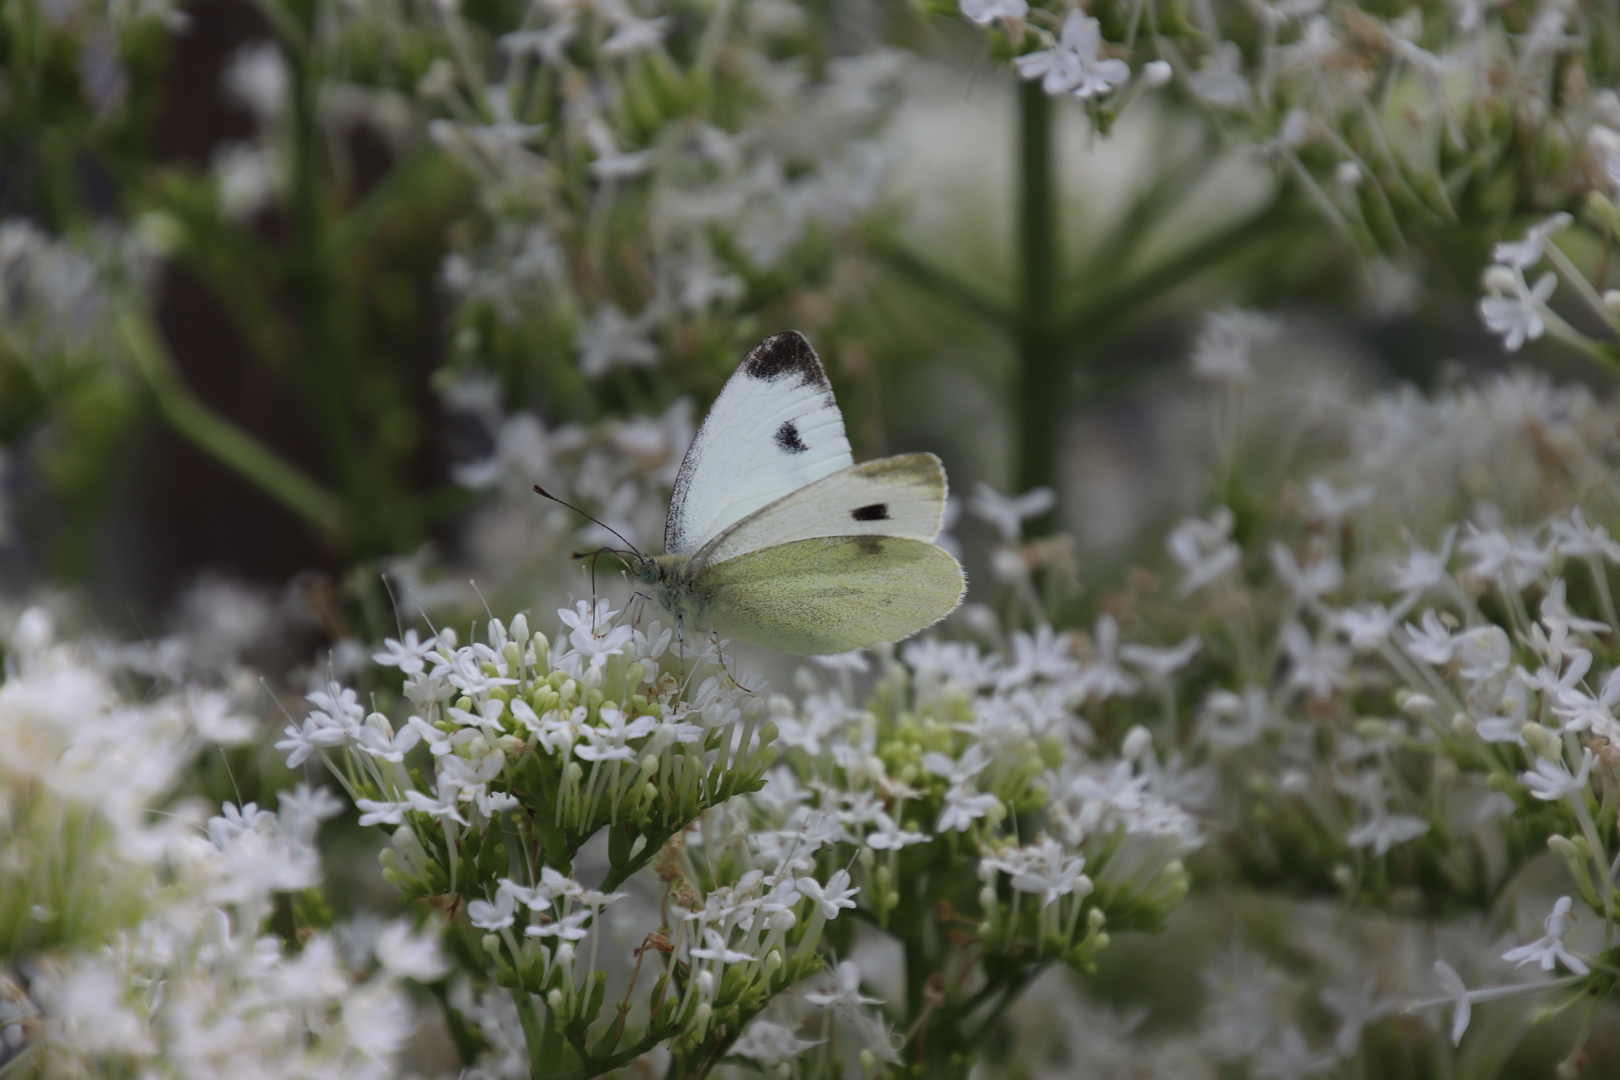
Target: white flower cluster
(141,930)
(82,774)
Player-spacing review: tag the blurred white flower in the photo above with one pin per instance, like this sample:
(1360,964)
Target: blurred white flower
(985,12)
(1075,65)
(613,340)
(1517,318)
(1549,949)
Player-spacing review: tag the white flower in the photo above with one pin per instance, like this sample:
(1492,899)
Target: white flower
(847,994)
(1457,993)
(1552,780)
(1368,626)
(962,807)
(771,1044)
(1549,949)
(831,898)
(1101,677)
(1227,341)
(1009,512)
(409,955)
(719,951)
(408,655)
(985,12)
(634,35)
(1524,254)
(1161,663)
(1203,549)
(1573,537)
(1232,722)
(1511,559)
(1045,654)
(1383,831)
(303,808)
(1321,577)
(613,340)
(1219,79)
(1318,667)
(497,916)
(1075,64)
(1517,318)
(1423,569)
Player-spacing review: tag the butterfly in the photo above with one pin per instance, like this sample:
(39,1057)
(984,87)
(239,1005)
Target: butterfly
(776,537)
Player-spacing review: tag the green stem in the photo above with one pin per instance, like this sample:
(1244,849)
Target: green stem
(219,437)
(535,1033)
(327,379)
(1042,378)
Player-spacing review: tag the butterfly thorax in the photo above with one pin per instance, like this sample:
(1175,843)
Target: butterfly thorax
(670,579)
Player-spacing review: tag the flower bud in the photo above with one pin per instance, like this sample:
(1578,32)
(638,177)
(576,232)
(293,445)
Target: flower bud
(773,962)
(705,984)
(1157,73)
(1137,743)
(700,1020)
(554,1001)
(491,944)
(1561,845)
(1499,280)
(1413,703)
(1543,742)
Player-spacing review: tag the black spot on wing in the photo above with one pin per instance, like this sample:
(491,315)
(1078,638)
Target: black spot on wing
(874,512)
(787,437)
(785,355)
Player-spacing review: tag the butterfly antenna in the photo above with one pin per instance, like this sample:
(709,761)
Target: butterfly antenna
(544,494)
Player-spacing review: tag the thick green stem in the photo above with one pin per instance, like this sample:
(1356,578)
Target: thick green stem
(1042,390)
(327,379)
(219,437)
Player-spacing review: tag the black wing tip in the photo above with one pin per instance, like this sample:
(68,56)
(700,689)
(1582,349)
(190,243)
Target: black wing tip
(783,355)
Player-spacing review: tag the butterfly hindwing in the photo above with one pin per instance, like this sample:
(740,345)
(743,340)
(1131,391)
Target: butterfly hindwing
(902,496)
(774,429)
(830,593)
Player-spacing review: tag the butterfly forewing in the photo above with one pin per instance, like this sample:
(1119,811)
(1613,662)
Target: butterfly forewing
(902,496)
(774,429)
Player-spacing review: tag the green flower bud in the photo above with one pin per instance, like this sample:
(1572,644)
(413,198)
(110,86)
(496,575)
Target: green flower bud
(1543,742)
(1561,845)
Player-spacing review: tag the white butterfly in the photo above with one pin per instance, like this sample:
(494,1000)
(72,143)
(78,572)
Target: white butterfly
(777,537)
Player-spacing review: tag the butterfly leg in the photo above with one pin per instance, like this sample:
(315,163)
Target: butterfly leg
(680,647)
(715,637)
